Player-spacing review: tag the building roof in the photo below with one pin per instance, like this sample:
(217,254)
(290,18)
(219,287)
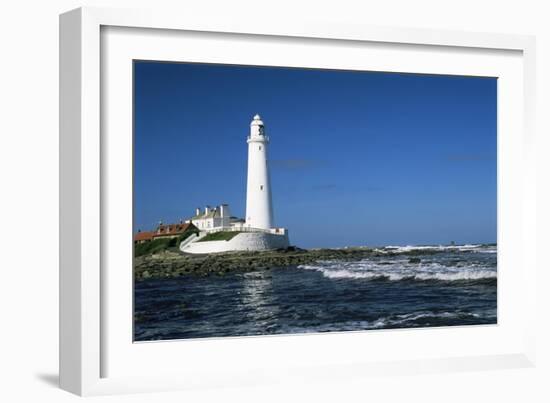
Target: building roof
(172,229)
(163,230)
(143,236)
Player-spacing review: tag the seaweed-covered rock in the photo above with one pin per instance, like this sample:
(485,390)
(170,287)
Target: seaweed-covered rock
(174,264)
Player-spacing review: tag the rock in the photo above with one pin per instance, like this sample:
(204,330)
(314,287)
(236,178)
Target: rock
(168,265)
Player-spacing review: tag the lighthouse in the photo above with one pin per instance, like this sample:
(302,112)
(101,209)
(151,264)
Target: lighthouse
(259,210)
(257,231)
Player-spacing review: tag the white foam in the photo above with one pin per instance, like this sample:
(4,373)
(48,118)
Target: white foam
(461,248)
(391,321)
(411,317)
(397,270)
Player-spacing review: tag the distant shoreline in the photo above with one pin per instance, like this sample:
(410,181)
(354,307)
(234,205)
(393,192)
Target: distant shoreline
(170,264)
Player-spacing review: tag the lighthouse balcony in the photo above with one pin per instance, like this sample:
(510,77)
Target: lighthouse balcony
(257,139)
(244,228)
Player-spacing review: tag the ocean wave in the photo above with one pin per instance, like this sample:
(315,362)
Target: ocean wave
(408,320)
(402,270)
(427,316)
(481,248)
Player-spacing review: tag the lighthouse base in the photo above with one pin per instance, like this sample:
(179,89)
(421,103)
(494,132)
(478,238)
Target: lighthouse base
(244,241)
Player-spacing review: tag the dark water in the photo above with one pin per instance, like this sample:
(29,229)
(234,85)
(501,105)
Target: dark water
(455,286)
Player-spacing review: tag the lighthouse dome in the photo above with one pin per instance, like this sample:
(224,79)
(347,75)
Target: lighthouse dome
(257,121)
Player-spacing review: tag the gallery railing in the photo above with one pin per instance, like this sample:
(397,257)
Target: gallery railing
(276,231)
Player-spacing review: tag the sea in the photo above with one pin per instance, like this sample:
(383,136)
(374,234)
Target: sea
(403,287)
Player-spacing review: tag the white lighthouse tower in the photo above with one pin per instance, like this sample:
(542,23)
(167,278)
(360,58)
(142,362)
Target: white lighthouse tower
(257,232)
(259,210)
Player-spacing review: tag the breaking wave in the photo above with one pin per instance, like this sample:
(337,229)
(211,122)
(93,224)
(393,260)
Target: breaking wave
(398,270)
(408,320)
(427,316)
(478,248)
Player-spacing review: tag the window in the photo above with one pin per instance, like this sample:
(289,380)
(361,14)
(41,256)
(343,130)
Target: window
(260,148)
(261,187)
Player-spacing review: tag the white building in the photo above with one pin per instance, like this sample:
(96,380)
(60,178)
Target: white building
(212,218)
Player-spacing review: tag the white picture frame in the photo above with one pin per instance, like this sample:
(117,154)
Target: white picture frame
(88,337)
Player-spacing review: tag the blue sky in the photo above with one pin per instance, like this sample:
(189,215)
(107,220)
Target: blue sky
(356,158)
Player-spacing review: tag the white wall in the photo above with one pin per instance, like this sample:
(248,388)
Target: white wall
(28,169)
(242,241)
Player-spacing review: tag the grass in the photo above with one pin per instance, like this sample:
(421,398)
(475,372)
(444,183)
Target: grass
(159,245)
(154,246)
(220,236)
